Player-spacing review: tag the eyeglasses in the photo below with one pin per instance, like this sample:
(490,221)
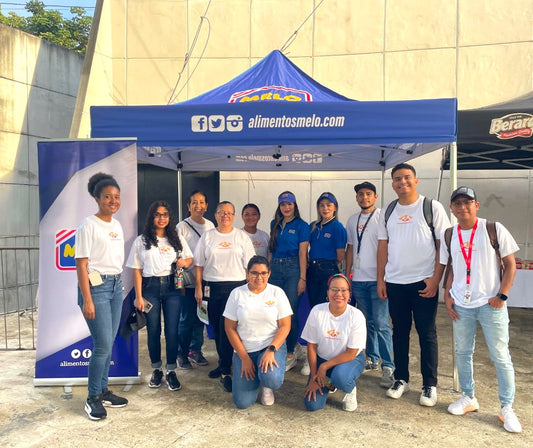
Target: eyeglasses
(336,290)
(257,274)
(466,202)
(161,215)
(225,214)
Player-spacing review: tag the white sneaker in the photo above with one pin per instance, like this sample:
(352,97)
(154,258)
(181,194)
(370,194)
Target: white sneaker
(397,389)
(267,397)
(290,362)
(509,419)
(387,377)
(349,402)
(464,405)
(428,397)
(306,370)
(300,351)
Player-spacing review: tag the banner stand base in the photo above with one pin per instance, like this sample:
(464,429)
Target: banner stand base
(65,382)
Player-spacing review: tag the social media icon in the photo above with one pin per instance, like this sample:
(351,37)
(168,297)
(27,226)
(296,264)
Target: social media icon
(199,123)
(234,123)
(216,123)
(87,353)
(75,353)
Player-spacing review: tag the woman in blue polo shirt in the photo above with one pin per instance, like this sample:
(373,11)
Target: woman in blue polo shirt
(289,240)
(327,244)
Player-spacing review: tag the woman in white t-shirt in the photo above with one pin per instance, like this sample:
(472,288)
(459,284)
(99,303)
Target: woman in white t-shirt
(99,253)
(258,320)
(152,257)
(221,258)
(250,215)
(336,336)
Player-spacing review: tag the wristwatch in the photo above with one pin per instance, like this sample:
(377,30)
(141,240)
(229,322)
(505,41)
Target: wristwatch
(272,348)
(501,296)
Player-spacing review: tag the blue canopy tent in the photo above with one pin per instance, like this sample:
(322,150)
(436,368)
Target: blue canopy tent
(275,117)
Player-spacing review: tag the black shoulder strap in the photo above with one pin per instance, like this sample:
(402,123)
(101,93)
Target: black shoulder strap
(428,216)
(389,210)
(448,241)
(192,227)
(493,236)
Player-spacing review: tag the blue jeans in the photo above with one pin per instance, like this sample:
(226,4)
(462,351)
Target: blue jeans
(376,312)
(107,299)
(495,325)
(406,305)
(244,392)
(191,329)
(285,273)
(342,376)
(161,293)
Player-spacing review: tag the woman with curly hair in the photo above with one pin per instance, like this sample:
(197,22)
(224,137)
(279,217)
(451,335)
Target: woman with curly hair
(99,254)
(151,258)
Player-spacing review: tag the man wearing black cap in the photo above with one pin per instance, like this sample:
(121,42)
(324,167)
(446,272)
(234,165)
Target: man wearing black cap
(408,276)
(361,262)
(475,292)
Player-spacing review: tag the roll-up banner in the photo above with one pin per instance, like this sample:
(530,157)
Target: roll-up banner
(64,344)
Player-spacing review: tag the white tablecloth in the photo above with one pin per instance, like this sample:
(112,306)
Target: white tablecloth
(521,294)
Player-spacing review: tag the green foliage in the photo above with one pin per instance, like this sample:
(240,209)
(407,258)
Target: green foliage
(51,25)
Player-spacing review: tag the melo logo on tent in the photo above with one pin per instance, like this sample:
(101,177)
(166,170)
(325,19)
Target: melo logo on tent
(268,93)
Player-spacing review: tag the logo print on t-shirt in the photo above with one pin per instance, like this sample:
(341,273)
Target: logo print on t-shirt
(270,302)
(292,231)
(164,249)
(333,334)
(224,245)
(466,244)
(113,235)
(327,235)
(405,219)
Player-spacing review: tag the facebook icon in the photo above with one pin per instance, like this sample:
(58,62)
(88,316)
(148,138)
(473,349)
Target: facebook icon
(199,123)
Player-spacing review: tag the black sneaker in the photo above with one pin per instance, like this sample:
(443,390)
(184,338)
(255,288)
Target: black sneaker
(215,373)
(183,363)
(155,381)
(198,359)
(226,383)
(110,400)
(94,408)
(172,381)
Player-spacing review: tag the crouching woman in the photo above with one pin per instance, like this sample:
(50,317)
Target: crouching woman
(336,336)
(257,322)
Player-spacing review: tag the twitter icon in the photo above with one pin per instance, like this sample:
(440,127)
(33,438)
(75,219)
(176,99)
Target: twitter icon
(217,123)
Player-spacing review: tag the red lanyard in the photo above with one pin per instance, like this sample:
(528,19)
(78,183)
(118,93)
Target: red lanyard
(467,257)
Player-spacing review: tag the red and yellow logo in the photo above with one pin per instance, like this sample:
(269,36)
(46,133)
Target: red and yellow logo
(270,302)
(405,219)
(224,245)
(333,334)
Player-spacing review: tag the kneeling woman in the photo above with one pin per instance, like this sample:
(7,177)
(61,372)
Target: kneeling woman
(257,322)
(336,336)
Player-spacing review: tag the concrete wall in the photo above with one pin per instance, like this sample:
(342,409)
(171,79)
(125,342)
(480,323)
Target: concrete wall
(38,88)
(480,51)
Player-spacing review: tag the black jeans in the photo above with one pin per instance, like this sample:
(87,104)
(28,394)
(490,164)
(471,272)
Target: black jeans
(406,305)
(318,273)
(216,303)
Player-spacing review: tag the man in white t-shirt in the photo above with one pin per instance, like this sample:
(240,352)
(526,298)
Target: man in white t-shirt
(408,275)
(362,230)
(475,292)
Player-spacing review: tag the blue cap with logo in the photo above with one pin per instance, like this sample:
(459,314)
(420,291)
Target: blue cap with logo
(327,196)
(464,191)
(286,197)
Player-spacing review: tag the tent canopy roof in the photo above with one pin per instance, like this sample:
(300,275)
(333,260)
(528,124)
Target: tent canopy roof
(495,137)
(275,117)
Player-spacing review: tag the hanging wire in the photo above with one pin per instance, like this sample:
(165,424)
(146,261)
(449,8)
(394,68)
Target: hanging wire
(292,37)
(174,95)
